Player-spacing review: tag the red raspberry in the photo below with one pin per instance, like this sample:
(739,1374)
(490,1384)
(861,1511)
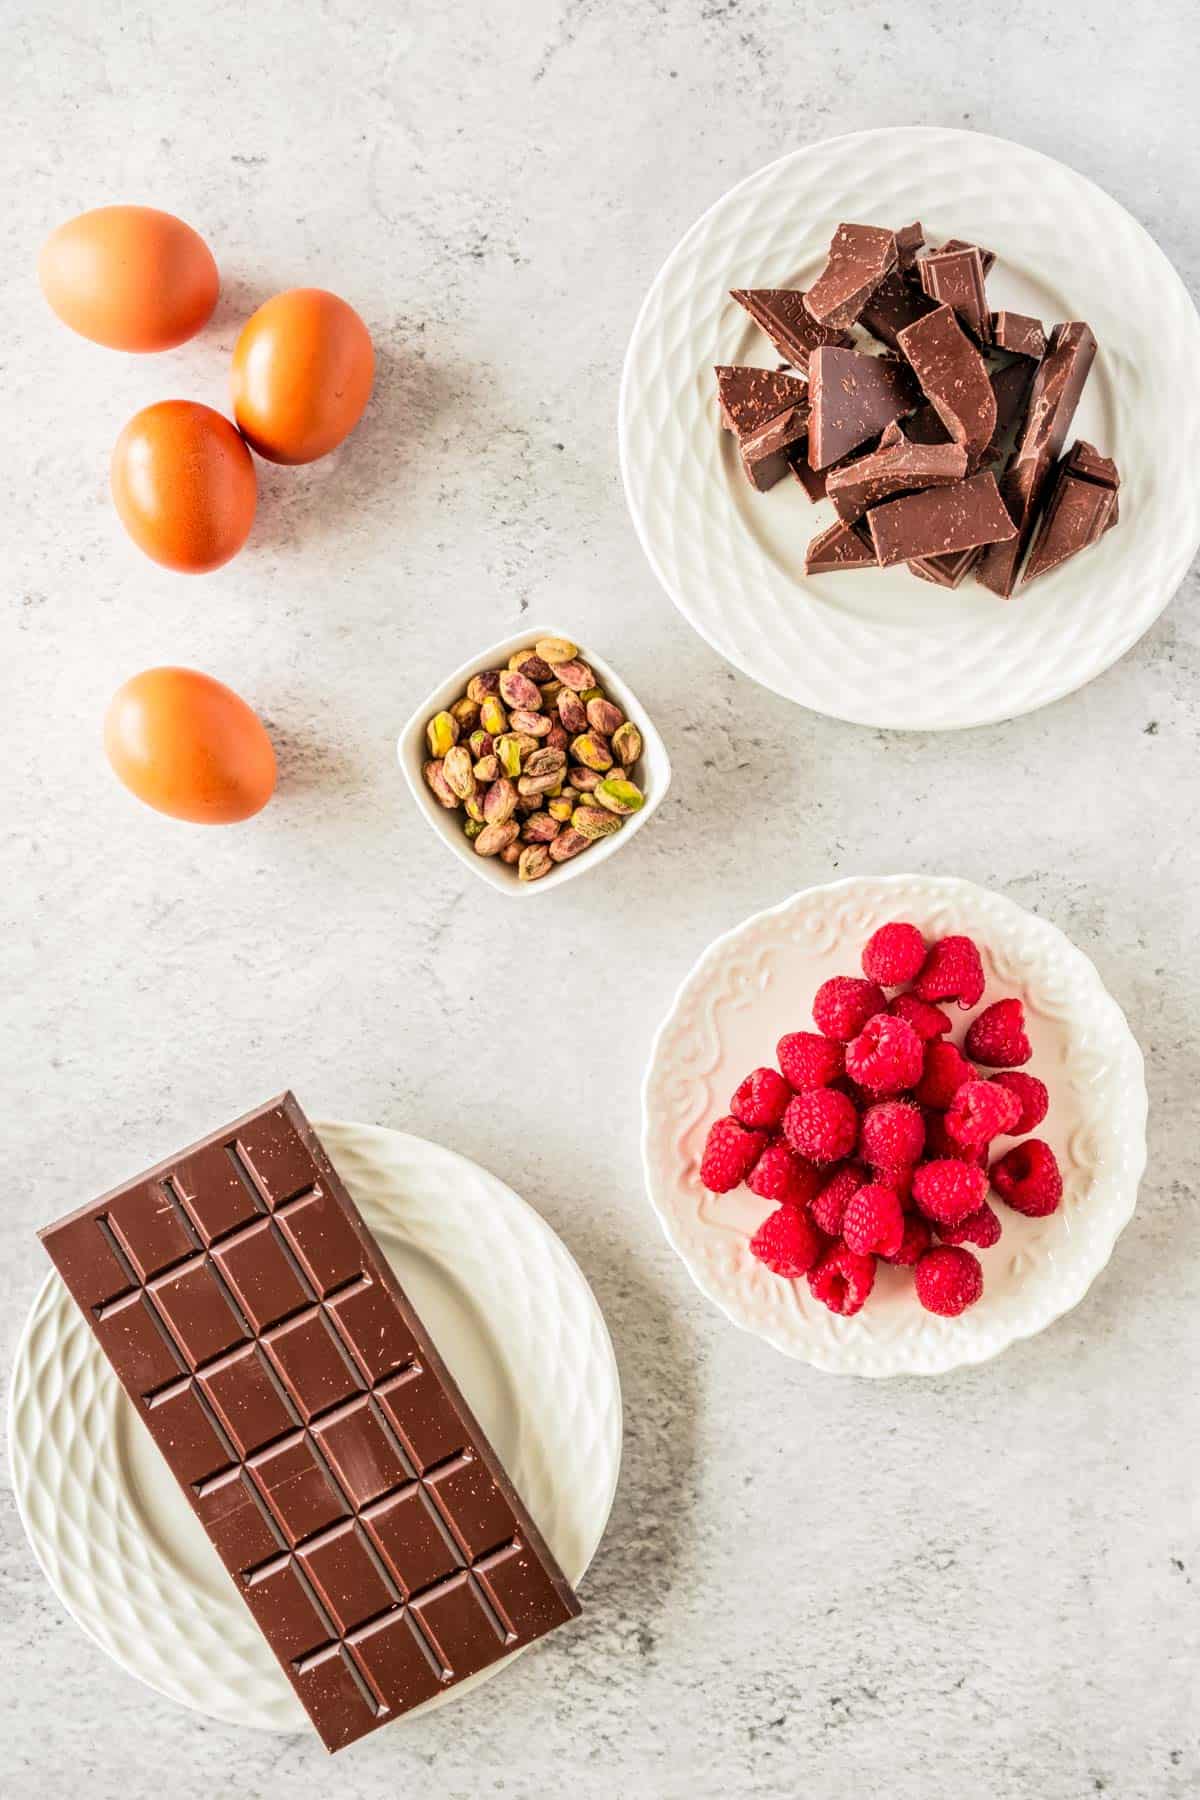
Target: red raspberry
(899,1180)
(809,1060)
(953,971)
(730,1152)
(948,1192)
(782,1176)
(886,1056)
(979,1112)
(843,1004)
(821,1125)
(1032,1094)
(762,1100)
(874,1221)
(927,1021)
(916,1241)
(843,1280)
(786,1243)
(997,1038)
(1028,1177)
(939,1144)
(948,1281)
(945,1070)
(829,1208)
(893,955)
(892,1135)
(980,1228)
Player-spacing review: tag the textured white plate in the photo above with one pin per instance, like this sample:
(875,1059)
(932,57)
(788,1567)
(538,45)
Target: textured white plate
(757,982)
(879,647)
(510,1312)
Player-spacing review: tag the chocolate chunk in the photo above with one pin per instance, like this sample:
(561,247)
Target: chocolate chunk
(946,571)
(988,256)
(909,240)
(1057,385)
(940,520)
(955,278)
(1081,508)
(896,302)
(766,412)
(954,376)
(841,547)
(1019,333)
(924,427)
(897,467)
(852,397)
(1011,386)
(1084,459)
(859,258)
(781,313)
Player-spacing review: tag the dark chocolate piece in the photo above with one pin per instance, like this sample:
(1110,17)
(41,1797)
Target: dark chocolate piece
(896,302)
(924,427)
(988,256)
(910,240)
(274,1359)
(811,480)
(1084,459)
(1057,386)
(1018,333)
(955,278)
(954,376)
(781,313)
(946,571)
(940,520)
(1011,386)
(852,397)
(859,258)
(1081,508)
(841,547)
(766,412)
(897,467)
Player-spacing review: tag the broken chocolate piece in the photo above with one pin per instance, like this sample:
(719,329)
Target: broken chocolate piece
(1057,385)
(940,520)
(1019,333)
(1081,508)
(946,571)
(841,547)
(909,240)
(781,313)
(852,397)
(1084,459)
(988,256)
(896,302)
(897,467)
(955,278)
(1011,386)
(954,376)
(924,427)
(859,258)
(766,412)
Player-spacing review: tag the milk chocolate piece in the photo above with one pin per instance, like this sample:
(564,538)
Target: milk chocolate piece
(781,313)
(897,467)
(988,256)
(896,302)
(946,571)
(841,547)
(852,397)
(940,521)
(955,278)
(910,239)
(1084,459)
(1057,385)
(1081,508)
(859,258)
(275,1361)
(954,376)
(766,412)
(1019,333)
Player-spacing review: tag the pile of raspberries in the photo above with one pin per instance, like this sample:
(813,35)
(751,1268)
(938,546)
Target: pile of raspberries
(875,1140)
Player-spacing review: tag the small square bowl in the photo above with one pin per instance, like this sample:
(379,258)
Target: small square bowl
(413,752)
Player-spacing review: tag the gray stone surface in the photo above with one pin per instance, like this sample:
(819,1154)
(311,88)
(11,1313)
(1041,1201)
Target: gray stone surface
(978,1588)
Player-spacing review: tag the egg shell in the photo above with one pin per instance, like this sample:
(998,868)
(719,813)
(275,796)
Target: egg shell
(303,367)
(188,746)
(184,486)
(129,277)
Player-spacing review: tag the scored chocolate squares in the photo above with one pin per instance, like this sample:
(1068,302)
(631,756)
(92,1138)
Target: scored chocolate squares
(782,314)
(1081,508)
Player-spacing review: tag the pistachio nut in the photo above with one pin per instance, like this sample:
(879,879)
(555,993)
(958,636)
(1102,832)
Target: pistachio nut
(509,752)
(556,650)
(439,787)
(587,695)
(474,808)
(487,768)
(499,803)
(539,828)
(511,853)
(532,724)
(619,796)
(550,690)
(466,712)
(592,751)
(547,762)
(528,662)
(530,803)
(584,780)
(572,711)
(536,786)
(534,863)
(593,822)
(495,838)
(492,716)
(567,844)
(562,808)
(604,716)
(480,744)
(472,829)
(517,690)
(480,686)
(574,674)
(627,744)
(456,767)
(441,733)
(556,738)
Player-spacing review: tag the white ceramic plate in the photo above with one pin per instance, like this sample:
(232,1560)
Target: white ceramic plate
(514,1319)
(878,647)
(757,982)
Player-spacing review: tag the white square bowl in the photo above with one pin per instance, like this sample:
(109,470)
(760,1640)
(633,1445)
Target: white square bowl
(413,752)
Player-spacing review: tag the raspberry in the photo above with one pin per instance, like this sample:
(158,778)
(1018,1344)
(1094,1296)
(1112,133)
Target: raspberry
(762,1099)
(980,1228)
(939,1144)
(730,1152)
(979,1112)
(786,1243)
(916,1241)
(886,1056)
(952,971)
(893,955)
(927,1021)
(874,1221)
(997,1038)
(1028,1177)
(948,1192)
(948,1281)
(782,1176)
(1033,1095)
(829,1207)
(843,1280)
(843,1004)
(892,1135)
(945,1070)
(899,1180)
(821,1125)
(809,1060)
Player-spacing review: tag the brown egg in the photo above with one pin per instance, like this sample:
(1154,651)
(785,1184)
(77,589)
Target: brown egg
(189,746)
(302,373)
(183,483)
(130,277)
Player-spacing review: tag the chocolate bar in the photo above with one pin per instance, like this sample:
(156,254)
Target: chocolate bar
(766,411)
(297,1398)
(897,466)
(939,521)
(987,257)
(782,314)
(859,258)
(1081,508)
(955,278)
(954,376)
(1018,333)
(852,397)
(841,547)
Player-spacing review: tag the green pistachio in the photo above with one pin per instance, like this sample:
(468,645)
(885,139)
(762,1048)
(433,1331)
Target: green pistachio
(492,716)
(620,797)
(442,733)
(592,751)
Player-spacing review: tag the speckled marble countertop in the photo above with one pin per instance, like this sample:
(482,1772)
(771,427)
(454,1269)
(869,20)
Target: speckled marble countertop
(977,1588)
